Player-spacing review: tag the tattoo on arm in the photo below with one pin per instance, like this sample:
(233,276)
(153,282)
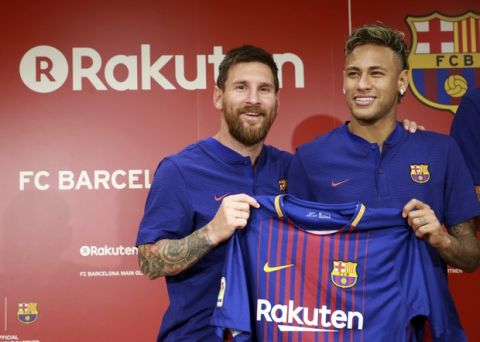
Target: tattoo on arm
(464,251)
(457,230)
(170,257)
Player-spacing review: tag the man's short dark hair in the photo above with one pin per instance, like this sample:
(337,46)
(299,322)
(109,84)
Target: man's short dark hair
(246,54)
(379,34)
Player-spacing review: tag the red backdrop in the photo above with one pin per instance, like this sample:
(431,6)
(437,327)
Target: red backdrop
(94,94)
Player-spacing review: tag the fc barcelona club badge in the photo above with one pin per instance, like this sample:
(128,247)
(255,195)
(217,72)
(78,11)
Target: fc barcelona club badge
(419,173)
(444,58)
(27,312)
(344,273)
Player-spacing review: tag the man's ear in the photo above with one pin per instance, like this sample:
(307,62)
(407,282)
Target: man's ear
(403,81)
(217,98)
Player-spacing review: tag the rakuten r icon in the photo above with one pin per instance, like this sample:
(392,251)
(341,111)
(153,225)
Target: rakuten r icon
(45,69)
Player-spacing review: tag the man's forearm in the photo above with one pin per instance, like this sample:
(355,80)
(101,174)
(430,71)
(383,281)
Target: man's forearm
(170,257)
(463,247)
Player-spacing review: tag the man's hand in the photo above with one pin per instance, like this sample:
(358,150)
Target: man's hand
(459,246)
(170,257)
(425,224)
(232,214)
(412,126)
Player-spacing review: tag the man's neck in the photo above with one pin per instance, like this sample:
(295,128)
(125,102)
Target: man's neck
(247,151)
(373,131)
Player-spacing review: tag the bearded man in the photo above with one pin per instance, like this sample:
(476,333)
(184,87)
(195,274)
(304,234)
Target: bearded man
(201,195)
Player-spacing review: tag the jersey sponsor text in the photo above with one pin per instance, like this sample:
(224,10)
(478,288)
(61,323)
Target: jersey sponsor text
(308,319)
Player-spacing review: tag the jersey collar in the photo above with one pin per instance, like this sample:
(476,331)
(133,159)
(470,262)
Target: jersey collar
(394,138)
(224,153)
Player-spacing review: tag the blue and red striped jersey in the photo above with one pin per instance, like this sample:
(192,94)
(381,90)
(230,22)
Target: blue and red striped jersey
(329,272)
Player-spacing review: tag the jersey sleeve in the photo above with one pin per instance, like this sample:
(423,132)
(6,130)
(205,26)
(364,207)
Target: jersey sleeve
(168,213)
(232,311)
(466,131)
(298,184)
(461,203)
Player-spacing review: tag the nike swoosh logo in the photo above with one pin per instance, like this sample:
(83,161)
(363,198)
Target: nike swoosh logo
(268,269)
(335,184)
(219,198)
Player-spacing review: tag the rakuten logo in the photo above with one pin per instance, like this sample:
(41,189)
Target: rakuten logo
(316,319)
(107,251)
(45,69)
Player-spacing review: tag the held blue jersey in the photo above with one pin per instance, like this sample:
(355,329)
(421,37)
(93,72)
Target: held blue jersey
(343,272)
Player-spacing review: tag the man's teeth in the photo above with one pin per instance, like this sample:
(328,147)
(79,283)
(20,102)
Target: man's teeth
(364,100)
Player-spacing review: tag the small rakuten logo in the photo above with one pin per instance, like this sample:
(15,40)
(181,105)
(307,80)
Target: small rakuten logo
(45,69)
(107,251)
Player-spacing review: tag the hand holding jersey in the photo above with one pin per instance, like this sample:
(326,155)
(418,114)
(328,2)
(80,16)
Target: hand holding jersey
(458,243)
(422,219)
(233,214)
(314,271)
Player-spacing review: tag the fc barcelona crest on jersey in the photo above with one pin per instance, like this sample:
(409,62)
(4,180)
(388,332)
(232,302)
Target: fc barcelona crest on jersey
(344,273)
(419,173)
(27,312)
(444,58)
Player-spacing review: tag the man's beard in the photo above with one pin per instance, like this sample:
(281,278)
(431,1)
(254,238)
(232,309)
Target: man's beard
(245,134)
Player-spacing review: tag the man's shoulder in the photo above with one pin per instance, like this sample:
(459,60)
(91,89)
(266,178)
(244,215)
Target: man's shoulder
(323,141)
(276,153)
(183,159)
(194,150)
(429,143)
(470,102)
(430,137)
(473,95)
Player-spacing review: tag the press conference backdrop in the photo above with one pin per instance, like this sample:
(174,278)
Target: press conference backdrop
(93,94)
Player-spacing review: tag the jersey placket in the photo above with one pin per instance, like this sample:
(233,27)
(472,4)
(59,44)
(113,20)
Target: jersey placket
(381,184)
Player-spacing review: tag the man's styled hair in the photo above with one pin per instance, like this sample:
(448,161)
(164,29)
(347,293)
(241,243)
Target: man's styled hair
(246,54)
(381,35)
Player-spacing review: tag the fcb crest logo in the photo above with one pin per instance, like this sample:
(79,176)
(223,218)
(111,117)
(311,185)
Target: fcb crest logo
(282,184)
(344,274)
(27,312)
(419,173)
(444,58)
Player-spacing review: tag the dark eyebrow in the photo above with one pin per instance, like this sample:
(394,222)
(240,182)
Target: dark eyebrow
(376,67)
(267,84)
(263,84)
(351,68)
(371,68)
